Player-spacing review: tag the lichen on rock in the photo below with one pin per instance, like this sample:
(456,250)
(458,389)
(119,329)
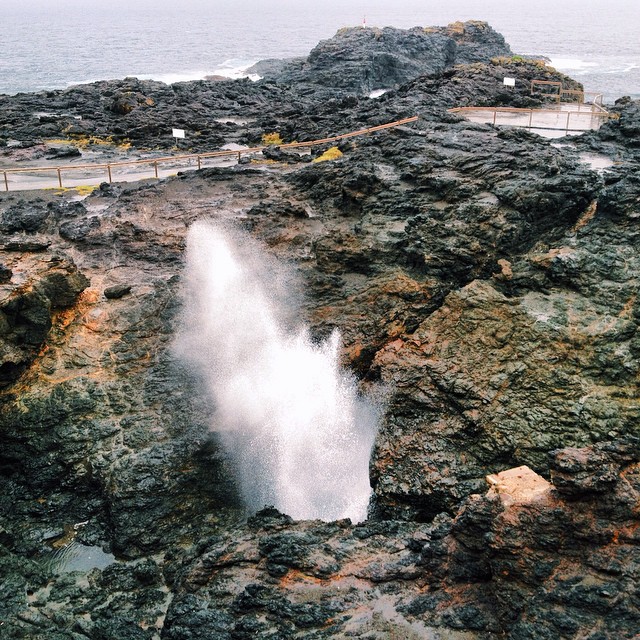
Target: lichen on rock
(485,283)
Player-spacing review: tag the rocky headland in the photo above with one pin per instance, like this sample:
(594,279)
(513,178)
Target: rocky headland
(485,283)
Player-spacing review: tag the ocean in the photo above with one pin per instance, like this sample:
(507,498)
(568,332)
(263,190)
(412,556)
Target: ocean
(53,44)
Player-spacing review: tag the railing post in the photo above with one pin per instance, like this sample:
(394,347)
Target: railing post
(530,117)
(495,113)
(568,114)
(228,153)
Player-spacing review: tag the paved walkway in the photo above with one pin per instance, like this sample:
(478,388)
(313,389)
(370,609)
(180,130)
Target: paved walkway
(129,170)
(35,179)
(553,121)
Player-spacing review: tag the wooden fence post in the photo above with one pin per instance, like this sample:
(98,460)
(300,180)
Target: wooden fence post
(199,157)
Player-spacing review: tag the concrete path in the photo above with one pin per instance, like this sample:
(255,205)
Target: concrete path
(38,179)
(551,122)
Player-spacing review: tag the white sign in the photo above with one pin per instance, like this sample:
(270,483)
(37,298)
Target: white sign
(177,133)
(509,82)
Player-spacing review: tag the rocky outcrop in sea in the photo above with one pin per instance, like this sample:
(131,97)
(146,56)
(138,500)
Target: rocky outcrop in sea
(485,283)
(364,60)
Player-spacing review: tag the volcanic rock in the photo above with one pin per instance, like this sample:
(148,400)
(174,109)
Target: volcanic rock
(362,60)
(485,284)
(41,287)
(117,291)
(5,274)
(65,151)
(23,216)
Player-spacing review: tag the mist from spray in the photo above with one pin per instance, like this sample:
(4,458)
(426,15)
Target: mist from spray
(291,419)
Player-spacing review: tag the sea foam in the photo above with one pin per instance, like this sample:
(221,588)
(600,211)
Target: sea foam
(291,419)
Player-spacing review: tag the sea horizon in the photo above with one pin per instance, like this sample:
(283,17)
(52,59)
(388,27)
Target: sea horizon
(92,41)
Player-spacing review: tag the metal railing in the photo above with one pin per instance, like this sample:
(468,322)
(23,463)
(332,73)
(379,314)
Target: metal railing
(198,157)
(547,83)
(530,123)
(581,95)
(583,98)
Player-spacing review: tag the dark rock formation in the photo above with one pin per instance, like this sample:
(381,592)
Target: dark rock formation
(43,286)
(117,291)
(5,274)
(618,137)
(524,560)
(484,281)
(66,151)
(362,60)
(136,112)
(23,216)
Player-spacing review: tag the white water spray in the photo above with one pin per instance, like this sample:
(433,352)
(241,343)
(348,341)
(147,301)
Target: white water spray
(290,418)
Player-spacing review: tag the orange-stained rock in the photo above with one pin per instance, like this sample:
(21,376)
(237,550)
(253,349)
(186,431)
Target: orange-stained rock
(520,484)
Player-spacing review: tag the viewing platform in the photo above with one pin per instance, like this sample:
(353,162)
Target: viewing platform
(571,112)
(129,170)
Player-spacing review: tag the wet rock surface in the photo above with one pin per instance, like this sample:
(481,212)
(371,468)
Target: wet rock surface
(36,290)
(328,96)
(485,283)
(364,60)
(516,561)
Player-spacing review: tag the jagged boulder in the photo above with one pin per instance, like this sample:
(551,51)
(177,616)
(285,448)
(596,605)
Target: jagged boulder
(125,102)
(23,216)
(27,308)
(362,60)
(557,560)
(487,279)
